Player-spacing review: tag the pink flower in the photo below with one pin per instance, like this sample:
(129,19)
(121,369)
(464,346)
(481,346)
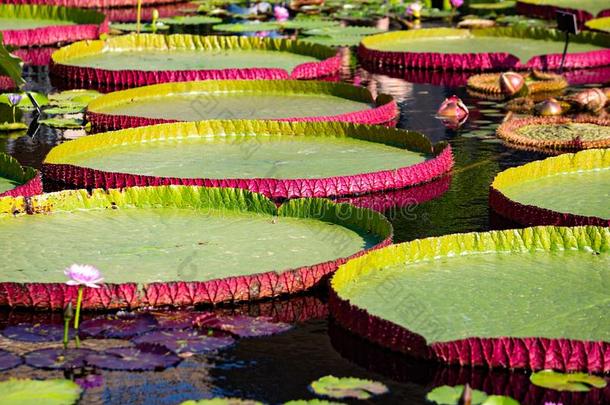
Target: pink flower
(453,107)
(280,13)
(414,9)
(83,274)
(457,3)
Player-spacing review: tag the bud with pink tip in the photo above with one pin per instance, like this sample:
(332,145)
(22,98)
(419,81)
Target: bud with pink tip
(453,107)
(280,13)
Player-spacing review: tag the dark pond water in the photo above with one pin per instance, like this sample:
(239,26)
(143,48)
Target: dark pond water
(279,368)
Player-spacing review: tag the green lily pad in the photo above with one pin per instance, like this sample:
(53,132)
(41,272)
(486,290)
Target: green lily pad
(448,395)
(344,31)
(10,65)
(333,41)
(347,387)
(133,27)
(77,96)
(190,20)
(69,108)
(500,400)
(600,24)
(62,123)
(578,382)
(309,24)
(248,27)
(35,392)
(12,126)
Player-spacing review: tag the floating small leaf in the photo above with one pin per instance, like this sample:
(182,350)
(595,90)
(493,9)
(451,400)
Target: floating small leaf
(243,326)
(9,360)
(222,401)
(579,382)
(185,341)
(142,357)
(348,387)
(117,327)
(12,126)
(448,395)
(35,333)
(51,359)
(499,400)
(312,402)
(35,392)
(62,123)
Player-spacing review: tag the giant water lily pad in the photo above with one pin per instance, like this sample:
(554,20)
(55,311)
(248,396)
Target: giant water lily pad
(347,387)
(175,245)
(28,25)
(186,341)
(240,99)
(142,357)
(584,9)
(557,133)
(36,392)
(16,180)
(458,298)
(279,159)
(600,24)
(550,192)
(247,27)
(136,60)
(578,382)
(484,49)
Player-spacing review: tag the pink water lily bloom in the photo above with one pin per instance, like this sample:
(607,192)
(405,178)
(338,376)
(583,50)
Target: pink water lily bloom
(457,3)
(281,13)
(83,274)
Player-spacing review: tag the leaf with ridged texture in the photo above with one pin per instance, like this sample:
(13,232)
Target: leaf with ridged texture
(566,336)
(62,24)
(541,192)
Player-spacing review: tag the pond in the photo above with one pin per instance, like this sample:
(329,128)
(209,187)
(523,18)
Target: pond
(279,368)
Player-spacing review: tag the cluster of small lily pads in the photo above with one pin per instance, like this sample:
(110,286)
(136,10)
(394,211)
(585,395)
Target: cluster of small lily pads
(64,110)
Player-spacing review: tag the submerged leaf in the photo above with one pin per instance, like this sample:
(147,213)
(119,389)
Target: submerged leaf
(35,333)
(62,123)
(579,382)
(58,358)
(243,326)
(34,392)
(312,402)
(117,327)
(142,357)
(9,360)
(347,387)
(222,401)
(448,395)
(185,341)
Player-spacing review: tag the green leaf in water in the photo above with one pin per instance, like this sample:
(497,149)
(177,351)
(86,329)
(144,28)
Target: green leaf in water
(348,387)
(579,382)
(36,392)
(499,400)
(62,123)
(10,65)
(448,395)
